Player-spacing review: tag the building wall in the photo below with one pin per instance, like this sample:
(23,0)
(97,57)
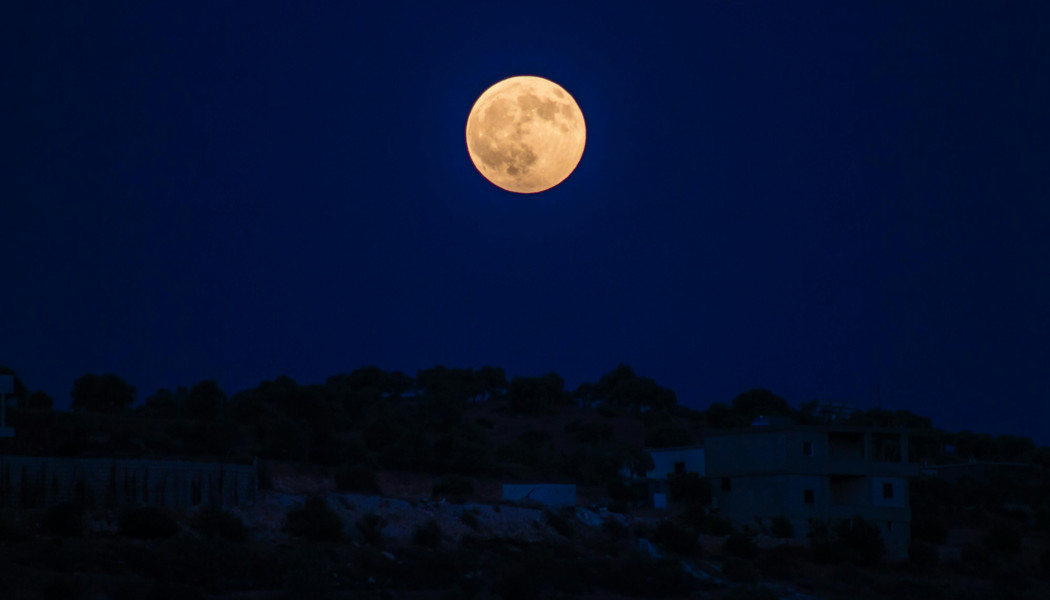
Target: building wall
(664,460)
(768,473)
(30,482)
(551,494)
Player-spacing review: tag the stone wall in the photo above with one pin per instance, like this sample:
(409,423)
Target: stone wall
(33,482)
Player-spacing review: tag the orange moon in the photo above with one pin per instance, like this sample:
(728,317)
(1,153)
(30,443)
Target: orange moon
(526,134)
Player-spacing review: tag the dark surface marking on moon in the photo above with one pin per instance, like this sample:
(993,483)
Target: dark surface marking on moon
(546,109)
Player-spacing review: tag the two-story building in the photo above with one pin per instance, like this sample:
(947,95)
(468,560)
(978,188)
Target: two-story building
(806,473)
(678,460)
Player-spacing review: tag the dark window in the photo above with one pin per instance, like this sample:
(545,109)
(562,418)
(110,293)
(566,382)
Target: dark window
(679,468)
(727,485)
(807,448)
(889,525)
(807,496)
(887,490)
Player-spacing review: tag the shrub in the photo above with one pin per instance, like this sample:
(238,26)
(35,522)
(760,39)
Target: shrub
(427,535)
(929,529)
(821,543)
(213,521)
(614,528)
(559,523)
(356,478)
(780,562)
(673,538)
(739,570)
(1005,540)
(978,558)
(781,528)
(752,593)
(146,523)
(371,528)
(715,525)
(62,589)
(65,519)
(922,554)
(263,474)
(689,488)
(315,522)
(860,541)
(470,520)
(740,546)
(453,485)
(623,493)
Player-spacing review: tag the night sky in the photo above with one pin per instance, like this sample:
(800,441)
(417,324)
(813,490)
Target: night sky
(835,200)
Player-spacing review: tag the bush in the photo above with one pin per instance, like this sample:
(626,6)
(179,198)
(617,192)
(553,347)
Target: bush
(146,523)
(356,478)
(614,528)
(928,529)
(780,562)
(740,546)
(559,523)
(371,528)
(453,485)
(427,535)
(623,493)
(922,554)
(739,570)
(689,488)
(65,519)
(782,528)
(752,593)
(675,539)
(213,521)
(1006,540)
(62,589)
(315,522)
(715,525)
(263,474)
(860,541)
(470,520)
(978,559)
(821,543)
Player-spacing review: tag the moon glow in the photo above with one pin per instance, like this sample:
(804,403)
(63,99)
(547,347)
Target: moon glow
(526,134)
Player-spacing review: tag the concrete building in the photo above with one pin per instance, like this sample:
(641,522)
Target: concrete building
(679,459)
(806,473)
(668,461)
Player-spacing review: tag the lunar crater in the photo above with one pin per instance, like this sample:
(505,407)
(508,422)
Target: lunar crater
(525,134)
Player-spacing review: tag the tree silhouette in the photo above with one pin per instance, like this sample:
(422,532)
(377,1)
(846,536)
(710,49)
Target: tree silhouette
(623,388)
(102,393)
(534,395)
(20,388)
(758,402)
(204,400)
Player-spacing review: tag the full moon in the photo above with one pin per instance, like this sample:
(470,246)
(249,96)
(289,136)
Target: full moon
(526,134)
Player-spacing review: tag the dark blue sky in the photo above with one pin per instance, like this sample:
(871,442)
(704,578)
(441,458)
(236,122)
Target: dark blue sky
(816,198)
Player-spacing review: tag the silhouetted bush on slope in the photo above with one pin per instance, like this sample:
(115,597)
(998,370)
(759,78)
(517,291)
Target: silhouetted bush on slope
(146,523)
(213,521)
(315,522)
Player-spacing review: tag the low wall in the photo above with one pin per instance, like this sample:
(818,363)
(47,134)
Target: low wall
(33,482)
(551,494)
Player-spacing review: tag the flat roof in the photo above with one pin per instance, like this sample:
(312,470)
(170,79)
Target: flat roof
(669,448)
(823,428)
